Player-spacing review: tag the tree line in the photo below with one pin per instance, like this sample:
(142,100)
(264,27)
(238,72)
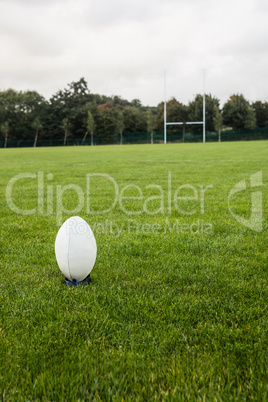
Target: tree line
(75,112)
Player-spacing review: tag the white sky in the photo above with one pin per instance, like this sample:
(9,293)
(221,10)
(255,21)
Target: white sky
(123,47)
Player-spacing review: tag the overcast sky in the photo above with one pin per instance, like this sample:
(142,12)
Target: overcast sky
(123,47)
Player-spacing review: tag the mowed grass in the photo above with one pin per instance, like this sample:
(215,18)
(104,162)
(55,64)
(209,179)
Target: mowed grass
(177,307)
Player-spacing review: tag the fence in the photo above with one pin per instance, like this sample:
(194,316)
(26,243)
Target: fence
(260,133)
(173,136)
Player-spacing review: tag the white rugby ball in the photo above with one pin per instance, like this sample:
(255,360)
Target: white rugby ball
(75,249)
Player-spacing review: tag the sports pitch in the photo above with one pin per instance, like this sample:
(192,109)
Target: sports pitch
(177,308)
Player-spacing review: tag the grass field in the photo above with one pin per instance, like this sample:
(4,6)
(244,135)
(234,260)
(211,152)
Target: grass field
(177,308)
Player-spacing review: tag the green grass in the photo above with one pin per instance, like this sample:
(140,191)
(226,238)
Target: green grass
(177,307)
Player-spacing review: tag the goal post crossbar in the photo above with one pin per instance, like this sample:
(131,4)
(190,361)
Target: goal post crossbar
(188,122)
(180,123)
(175,123)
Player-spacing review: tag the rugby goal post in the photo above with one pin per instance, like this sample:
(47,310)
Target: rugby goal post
(166,123)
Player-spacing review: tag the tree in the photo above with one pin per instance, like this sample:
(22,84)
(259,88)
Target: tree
(135,120)
(38,127)
(69,103)
(217,120)
(261,113)
(159,119)
(195,110)
(5,130)
(10,111)
(176,112)
(78,88)
(250,119)
(150,124)
(106,130)
(77,96)
(65,126)
(237,113)
(20,109)
(118,101)
(31,107)
(120,125)
(136,103)
(90,125)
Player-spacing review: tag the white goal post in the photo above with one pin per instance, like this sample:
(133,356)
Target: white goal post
(166,123)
